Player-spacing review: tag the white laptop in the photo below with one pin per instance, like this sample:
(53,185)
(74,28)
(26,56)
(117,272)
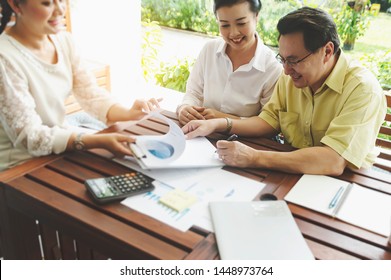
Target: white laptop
(257,230)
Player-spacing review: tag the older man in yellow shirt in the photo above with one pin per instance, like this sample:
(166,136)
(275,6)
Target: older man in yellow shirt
(328,107)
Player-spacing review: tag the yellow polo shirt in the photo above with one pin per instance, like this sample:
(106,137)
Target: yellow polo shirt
(345,113)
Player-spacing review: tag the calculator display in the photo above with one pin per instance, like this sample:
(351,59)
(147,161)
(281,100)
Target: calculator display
(102,188)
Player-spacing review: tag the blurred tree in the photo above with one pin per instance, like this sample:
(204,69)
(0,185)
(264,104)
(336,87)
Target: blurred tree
(352,21)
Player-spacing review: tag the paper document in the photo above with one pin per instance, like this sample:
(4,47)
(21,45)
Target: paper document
(257,230)
(151,150)
(209,185)
(171,150)
(352,203)
(178,177)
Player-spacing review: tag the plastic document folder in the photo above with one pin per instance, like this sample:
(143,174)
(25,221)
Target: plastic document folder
(257,230)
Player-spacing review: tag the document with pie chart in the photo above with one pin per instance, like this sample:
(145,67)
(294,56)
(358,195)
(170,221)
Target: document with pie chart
(172,150)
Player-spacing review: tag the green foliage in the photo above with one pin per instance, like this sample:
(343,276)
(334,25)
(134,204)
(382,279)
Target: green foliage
(193,15)
(151,41)
(183,14)
(174,75)
(269,16)
(351,24)
(169,75)
(380,65)
(324,4)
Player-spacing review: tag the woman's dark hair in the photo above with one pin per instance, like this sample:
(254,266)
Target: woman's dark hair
(317,27)
(255,5)
(6,13)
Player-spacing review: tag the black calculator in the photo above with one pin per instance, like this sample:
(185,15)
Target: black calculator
(114,188)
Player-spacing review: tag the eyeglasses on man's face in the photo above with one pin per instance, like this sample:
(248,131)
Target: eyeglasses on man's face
(290,63)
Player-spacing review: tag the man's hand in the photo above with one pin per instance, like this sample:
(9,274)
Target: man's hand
(235,153)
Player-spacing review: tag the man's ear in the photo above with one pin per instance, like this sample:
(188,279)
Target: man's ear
(329,50)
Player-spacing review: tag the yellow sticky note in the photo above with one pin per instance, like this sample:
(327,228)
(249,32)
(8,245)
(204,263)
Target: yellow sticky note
(178,199)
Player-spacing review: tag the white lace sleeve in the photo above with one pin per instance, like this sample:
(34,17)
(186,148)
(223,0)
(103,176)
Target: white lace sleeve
(18,116)
(92,98)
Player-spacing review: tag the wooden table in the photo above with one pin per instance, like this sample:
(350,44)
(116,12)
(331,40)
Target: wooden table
(44,201)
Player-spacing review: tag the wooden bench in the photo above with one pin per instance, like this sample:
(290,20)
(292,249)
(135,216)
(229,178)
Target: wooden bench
(384,139)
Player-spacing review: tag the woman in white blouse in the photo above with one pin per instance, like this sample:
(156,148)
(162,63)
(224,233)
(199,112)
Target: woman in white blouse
(233,76)
(39,68)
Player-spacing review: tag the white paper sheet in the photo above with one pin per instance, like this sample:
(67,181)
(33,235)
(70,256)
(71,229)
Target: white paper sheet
(362,207)
(180,178)
(368,209)
(153,151)
(172,150)
(217,185)
(315,192)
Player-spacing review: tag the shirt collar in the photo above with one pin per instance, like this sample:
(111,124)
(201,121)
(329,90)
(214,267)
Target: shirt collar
(222,47)
(258,61)
(336,78)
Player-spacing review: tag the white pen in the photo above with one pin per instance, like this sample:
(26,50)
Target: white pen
(136,151)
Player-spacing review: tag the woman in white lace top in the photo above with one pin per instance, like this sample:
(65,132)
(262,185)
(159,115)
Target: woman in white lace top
(39,68)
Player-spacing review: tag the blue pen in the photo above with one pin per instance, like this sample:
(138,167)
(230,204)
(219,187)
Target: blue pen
(231,192)
(336,197)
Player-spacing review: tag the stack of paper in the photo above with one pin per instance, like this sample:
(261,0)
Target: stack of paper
(206,186)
